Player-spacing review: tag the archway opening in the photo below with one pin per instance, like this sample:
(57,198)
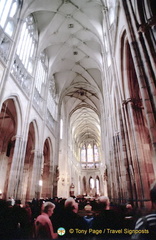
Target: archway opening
(8,128)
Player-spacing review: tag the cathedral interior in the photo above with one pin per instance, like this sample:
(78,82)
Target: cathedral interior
(77,99)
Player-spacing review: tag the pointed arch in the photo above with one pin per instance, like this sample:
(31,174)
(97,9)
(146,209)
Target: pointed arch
(46,169)
(10,125)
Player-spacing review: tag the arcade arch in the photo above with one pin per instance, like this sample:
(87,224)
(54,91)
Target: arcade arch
(8,131)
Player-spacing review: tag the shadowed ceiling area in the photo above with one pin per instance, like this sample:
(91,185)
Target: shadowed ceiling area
(72,37)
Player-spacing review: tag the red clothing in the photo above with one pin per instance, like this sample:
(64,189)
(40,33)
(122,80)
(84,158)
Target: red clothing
(43,227)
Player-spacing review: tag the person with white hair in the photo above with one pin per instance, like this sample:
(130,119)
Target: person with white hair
(70,218)
(108,219)
(71,204)
(104,202)
(43,224)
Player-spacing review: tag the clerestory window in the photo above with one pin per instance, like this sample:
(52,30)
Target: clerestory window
(41,74)
(89,155)
(8,15)
(27,44)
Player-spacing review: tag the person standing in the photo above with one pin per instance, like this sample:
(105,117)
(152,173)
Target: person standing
(43,224)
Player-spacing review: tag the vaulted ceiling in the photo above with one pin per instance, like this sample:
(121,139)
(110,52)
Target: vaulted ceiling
(71,33)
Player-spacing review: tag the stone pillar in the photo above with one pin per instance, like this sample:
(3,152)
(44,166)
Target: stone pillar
(14,178)
(55,180)
(144,79)
(47,178)
(35,188)
(130,191)
(138,167)
(142,36)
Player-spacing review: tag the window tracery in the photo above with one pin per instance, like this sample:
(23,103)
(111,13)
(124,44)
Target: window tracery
(52,101)
(89,155)
(9,11)
(41,74)
(8,15)
(27,44)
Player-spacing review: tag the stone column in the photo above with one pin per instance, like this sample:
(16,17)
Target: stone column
(14,178)
(146,92)
(130,192)
(136,140)
(141,34)
(35,188)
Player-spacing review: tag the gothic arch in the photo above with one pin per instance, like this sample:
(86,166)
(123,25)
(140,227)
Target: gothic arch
(9,120)
(37,134)
(17,104)
(46,170)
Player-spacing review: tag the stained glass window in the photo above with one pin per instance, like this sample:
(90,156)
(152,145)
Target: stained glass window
(83,154)
(89,156)
(96,154)
(89,153)
(27,43)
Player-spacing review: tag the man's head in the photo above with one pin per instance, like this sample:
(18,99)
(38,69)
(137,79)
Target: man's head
(48,208)
(71,205)
(88,209)
(153,193)
(104,202)
(129,206)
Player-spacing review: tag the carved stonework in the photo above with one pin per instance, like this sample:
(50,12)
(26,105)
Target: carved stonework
(52,87)
(105,176)
(5,45)
(57,173)
(136,103)
(21,75)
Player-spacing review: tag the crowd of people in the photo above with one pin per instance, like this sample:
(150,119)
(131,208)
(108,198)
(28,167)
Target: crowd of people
(76,218)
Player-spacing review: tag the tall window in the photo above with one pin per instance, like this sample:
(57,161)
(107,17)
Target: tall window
(97,186)
(27,43)
(52,99)
(111,10)
(83,154)
(41,74)
(91,183)
(89,155)
(61,129)
(96,153)
(8,13)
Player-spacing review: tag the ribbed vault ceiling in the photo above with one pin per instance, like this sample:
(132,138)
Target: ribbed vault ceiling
(71,33)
